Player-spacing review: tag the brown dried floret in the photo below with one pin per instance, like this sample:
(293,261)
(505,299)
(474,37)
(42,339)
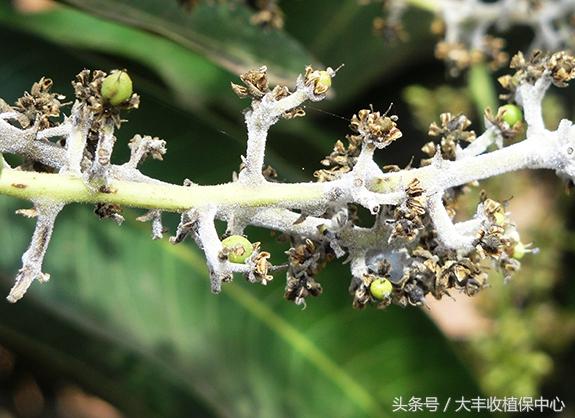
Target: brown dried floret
(296,112)
(491,242)
(269,14)
(408,216)
(411,293)
(261,266)
(109,211)
(459,57)
(560,67)
(508,266)
(147,146)
(391,30)
(270,173)
(279,92)
(319,79)
(255,84)
(494,211)
(493,52)
(39,105)
(453,130)
(306,259)
(375,129)
(341,160)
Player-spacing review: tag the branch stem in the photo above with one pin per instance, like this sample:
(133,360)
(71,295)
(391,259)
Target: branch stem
(166,197)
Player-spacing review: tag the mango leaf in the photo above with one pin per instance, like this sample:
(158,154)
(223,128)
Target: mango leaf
(342,33)
(193,79)
(219,31)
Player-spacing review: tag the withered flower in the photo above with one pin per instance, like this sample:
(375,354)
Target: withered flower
(269,14)
(341,160)
(453,130)
(306,259)
(408,216)
(375,129)
(255,84)
(260,266)
(39,105)
(560,66)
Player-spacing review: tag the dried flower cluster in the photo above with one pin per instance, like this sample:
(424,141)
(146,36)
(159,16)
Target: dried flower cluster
(267,13)
(469,28)
(413,247)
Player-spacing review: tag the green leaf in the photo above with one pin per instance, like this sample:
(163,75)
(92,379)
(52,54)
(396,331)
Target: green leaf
(219,31)
(193,80)
(482,89)
(343,34)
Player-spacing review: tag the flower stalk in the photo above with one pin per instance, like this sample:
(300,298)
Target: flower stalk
(413,247)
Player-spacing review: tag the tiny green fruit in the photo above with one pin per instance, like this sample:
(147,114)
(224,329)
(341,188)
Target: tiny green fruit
(239,248)
(511,114)
(380,288)
(117,87)
(322,83)
(499,218)
(519,251)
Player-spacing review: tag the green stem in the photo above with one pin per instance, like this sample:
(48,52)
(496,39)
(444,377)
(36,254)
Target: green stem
(168,197)
(483,92)
(429,5)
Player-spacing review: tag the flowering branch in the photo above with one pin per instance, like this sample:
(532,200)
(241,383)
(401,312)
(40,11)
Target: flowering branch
(413,247)
(465,27)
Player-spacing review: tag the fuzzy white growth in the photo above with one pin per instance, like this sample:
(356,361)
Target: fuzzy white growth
(34,256)
(315,211)
(97,175)
(23,142)
(79,124)
(468,21)
(263,114)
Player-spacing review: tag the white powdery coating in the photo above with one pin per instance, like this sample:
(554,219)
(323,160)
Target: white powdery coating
(302,218)
(468,21)
(34,255)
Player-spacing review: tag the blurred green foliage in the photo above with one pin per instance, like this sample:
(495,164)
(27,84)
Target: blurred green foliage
(133,321)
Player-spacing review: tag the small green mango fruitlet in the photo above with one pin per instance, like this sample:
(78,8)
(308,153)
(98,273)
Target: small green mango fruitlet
(519,251)
(240,248)
(323,82)
(380,288)
(117,87)
(512,114)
